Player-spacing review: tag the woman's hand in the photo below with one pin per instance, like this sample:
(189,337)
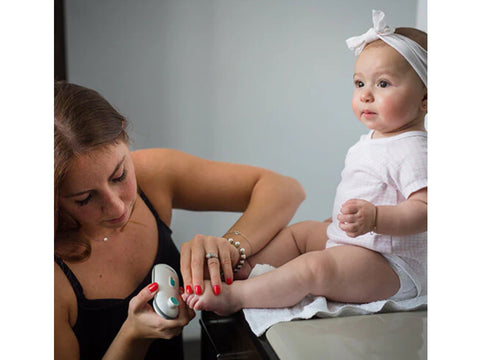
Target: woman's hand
(195,266)
(357,217)
(144,322)
(143,325)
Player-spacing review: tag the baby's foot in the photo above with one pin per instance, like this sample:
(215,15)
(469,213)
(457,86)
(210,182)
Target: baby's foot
(223,304)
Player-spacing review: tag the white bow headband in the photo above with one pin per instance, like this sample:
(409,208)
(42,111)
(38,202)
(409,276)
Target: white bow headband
(409,49)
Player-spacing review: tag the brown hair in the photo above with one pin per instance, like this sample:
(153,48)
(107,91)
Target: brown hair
(83,121)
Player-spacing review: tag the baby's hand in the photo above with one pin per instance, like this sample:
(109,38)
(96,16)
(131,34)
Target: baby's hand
(357,217)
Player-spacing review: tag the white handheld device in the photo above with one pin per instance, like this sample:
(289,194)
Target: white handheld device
(165,302)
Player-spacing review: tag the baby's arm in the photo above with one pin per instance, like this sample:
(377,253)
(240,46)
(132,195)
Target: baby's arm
(358,217)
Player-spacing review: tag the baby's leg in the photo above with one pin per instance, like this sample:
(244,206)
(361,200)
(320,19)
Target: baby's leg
(289,243)
(343,273)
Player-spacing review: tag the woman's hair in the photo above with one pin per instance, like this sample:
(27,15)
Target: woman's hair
(83,121)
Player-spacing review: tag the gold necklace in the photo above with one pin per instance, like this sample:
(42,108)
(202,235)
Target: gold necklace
(109,235)
(106,238)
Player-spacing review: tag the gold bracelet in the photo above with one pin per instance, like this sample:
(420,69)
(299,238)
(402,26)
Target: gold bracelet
(236,232)
(375,221)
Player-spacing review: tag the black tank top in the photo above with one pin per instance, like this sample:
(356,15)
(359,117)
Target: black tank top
(99,320)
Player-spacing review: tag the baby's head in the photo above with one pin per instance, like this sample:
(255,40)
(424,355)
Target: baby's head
(419,36)
(390,78)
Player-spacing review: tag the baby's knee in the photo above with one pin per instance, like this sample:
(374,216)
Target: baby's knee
(309,235)
(319,270)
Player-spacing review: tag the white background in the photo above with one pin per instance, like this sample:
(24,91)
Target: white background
(26,214)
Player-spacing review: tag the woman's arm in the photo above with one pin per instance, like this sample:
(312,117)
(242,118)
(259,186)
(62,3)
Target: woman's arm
(268,201)
(358,217)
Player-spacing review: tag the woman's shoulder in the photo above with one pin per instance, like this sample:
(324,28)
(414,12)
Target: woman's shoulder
(154,154)
(157,162)
(163,166)
(64,296)
(147,154)
(156,171)
(153,166)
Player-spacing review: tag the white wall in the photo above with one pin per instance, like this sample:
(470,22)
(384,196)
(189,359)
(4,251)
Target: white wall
(260,82)
(422,15)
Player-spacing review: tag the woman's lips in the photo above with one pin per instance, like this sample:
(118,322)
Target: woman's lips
(125,216)
(119,219)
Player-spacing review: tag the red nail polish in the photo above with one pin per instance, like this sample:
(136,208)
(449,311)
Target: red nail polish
(229,281)
(188,289)
(198,290)
(181,290)
(153,287)
(216,289)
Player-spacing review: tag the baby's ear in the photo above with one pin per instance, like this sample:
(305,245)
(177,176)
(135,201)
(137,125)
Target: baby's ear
(425,102)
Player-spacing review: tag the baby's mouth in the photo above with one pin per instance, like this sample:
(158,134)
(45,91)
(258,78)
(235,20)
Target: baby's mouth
(368,113)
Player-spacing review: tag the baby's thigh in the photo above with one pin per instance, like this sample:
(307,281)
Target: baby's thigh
(365,275)
(291,242)
(309,235)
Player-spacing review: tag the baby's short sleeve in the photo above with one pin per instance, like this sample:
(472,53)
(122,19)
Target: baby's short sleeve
(408,167)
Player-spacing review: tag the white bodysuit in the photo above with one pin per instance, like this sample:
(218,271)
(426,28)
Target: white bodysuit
(386,171)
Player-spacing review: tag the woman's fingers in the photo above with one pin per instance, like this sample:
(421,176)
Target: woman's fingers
(213,264)
(185,266)
(226,262)
(148,324)
(198,262)
(139,302)
(206,257)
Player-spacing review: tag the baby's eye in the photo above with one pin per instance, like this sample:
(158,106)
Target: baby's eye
(359,83)
(383,84)
(84,201)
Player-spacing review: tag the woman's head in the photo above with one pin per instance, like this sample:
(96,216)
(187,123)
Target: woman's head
(84,122)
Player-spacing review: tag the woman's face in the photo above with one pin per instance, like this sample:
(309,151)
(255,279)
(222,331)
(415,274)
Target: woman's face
(100,189)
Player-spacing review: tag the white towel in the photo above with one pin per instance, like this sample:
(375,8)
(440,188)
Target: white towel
(261,319)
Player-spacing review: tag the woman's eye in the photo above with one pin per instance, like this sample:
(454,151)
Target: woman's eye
(383,84)
(121,177)
(84,201)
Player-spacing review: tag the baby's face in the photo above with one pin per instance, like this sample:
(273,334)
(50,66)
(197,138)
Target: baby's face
(389,97)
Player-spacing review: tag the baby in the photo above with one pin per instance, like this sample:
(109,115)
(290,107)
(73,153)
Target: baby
(375,245)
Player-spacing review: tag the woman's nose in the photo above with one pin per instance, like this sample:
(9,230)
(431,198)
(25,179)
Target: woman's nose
(112,204)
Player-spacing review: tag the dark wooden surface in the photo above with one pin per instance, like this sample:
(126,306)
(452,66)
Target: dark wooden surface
(231,338)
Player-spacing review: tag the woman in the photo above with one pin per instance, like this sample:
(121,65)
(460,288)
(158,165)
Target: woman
(113,209)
